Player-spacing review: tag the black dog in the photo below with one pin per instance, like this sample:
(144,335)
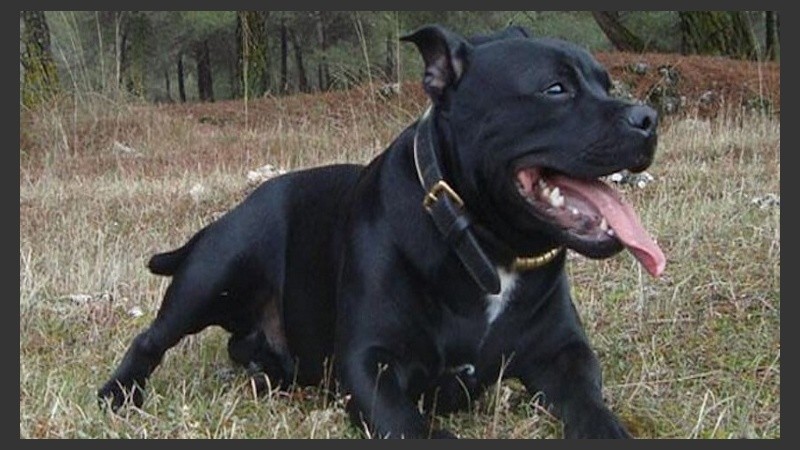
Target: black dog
(438,267)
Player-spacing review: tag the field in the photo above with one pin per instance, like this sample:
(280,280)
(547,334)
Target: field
(103,185)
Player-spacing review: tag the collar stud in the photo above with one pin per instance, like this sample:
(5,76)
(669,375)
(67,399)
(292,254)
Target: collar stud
(522,264)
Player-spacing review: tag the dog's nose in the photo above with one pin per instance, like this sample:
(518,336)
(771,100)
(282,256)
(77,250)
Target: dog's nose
(642,118)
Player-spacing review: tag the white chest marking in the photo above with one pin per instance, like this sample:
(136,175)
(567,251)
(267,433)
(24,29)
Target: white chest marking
(495,303)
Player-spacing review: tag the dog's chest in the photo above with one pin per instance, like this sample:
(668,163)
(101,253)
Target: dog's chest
(496,303)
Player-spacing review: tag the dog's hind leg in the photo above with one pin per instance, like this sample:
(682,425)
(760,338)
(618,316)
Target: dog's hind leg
(264,350)
(183,312)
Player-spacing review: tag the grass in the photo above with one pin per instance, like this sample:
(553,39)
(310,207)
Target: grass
(693,354)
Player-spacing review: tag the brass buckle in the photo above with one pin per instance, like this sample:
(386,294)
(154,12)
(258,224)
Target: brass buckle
(433,195)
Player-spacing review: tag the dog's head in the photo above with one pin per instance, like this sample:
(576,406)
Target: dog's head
(527,127)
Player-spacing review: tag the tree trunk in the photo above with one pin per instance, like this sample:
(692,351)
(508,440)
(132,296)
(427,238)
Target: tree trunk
(40,78)
(181,86)
(241,58)
(100,51)
(205,85)
(284,80)
(167,86)
(251,51)
(118,48)
(123,60)
(302,80)
(322,42)
(138,32)
(265,73)
(622,38)
(743,44)
(721,33)
(389,69)
(772,44)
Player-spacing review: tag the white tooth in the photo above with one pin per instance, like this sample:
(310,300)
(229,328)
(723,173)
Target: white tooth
(610,232)
(604,224)
(546,192)
(556,199)
(574,211)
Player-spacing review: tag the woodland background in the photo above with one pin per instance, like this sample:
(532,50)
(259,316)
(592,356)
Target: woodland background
(166,56)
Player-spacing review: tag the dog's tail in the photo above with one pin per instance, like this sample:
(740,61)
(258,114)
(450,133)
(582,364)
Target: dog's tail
(167,263)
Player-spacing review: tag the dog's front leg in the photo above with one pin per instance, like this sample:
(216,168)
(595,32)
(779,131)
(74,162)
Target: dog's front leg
(378,400)
(571,382)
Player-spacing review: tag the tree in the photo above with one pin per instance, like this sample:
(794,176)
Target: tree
(167,87)
(181,84)
(622,38)
(40,78)
(722,33)
(390,57)
(772,40)
(135,52)
(252,71)
(302,79)
(205,85)
(323,74)
(284,38)
(209,38)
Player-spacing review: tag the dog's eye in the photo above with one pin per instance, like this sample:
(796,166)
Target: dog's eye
(554,89)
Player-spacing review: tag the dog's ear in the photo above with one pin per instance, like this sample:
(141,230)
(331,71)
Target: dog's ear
(446,57)
(514,31)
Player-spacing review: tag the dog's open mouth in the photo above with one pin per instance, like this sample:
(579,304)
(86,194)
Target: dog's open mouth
(589,211)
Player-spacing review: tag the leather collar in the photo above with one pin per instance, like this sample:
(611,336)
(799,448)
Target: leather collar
(446,208)
(450,216)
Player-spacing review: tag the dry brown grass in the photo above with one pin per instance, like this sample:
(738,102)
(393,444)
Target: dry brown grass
(694,354)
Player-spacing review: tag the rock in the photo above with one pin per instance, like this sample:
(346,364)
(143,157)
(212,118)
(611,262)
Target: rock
(620,89)
(639,68)
(80,298)
(707,98)
(198,192)
(389,90)
(769,200)
(125,150)
(625,177)
(669,74)
(263,173)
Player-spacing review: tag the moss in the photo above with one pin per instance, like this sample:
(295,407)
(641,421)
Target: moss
(40,76)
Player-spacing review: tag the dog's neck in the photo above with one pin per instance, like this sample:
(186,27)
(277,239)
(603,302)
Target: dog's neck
(449,213)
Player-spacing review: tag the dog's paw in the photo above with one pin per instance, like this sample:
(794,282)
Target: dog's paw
(116,394)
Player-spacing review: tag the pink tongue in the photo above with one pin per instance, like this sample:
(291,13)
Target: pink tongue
(621,217)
